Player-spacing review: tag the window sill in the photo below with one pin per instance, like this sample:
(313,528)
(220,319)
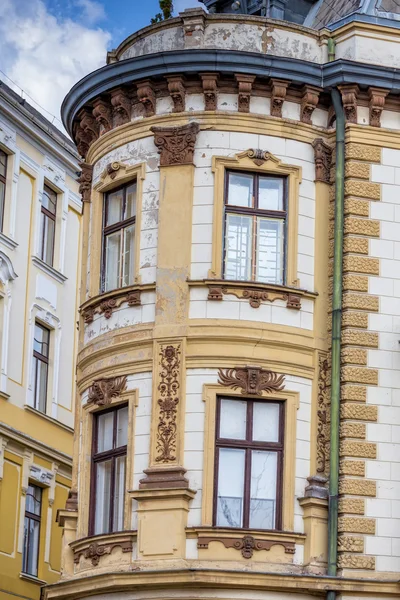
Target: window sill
(254,292)
(4,395)
(32,579)
(108,301)
(51,419)
(7,241)
(49,270)
(246,540)
(94,547)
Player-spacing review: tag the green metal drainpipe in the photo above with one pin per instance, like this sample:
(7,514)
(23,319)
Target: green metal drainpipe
(336,332)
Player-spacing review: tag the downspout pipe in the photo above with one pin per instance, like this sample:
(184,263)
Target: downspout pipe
(336,334)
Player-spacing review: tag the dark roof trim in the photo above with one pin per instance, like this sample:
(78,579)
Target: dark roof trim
(360,18)
(224,61)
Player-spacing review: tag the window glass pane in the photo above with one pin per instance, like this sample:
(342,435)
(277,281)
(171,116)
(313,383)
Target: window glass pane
(33,500)
(41,340)
(230,487)
(112,261)
(128,255)
(105,423)
(2,198)
(270,193)
(49,199)
(122,427)
(265,422)
(102,497)
(114,207)
(48,227)
(31,546)
(3,163)
(119,493)
(269,250)
(263,489)
(130,205)
(40,371)
(240,189)
(238,247)
(233,419)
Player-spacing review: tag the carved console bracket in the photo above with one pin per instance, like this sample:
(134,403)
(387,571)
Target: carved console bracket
(323,160)
(251,380)
(176,144)
(102,112)
(122,106)
(85,181)
(278,95)
(245,84)
(177,92)
(104,390)
(210,90)
(349,99)
(254,296)
(105,304)
(309,103)
(247,544)
(147,97)
(377,98)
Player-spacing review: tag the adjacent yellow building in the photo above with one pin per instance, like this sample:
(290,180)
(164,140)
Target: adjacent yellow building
(40,237)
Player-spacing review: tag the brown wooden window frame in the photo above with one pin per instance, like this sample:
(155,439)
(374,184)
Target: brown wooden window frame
(45,359)
(249,445)
(98,457)
(38,519)
(45,213)
(107,230)
(3,179)
(255,212)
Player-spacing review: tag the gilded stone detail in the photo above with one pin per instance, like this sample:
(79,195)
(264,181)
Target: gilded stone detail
(353,430)
(354,561)
(357,169)
(362,189)
(354,356)
(358,487)
(355,226)
(353,468)
(359,375)
(355,319)
(361,264)
(356,525)
(355,283)
(354,393)
(359,412)
(363,152)
(360,338)
(350,543)
(358,449)
(361,302)
(352,506)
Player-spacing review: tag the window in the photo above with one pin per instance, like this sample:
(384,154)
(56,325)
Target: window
(255,222)
(248,464)
(109,462)
(41,343)
(33,510)
(48,225)
(3,176)
(119,237)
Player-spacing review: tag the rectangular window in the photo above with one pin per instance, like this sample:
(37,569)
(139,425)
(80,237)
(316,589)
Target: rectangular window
(248,464)
(108,475)
(119,237)
(3,178)
(41,342)
(255,223)
(48,225)
(33,511)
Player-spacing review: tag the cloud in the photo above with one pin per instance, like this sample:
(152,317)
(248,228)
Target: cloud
(45,55)
(92,12)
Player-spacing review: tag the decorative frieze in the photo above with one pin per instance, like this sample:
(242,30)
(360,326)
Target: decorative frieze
(278,95)
(247,544)
(176,144)
(104,390)
(95,551)
(85,181)
(349,99)
(177,92)
(321,413)
(122,105)
(210,90)
(323,160)
(245,84)
(309,101)
(106,304)
(147,97)
(255,295)
(102,112)
(168,400)
(377,98)
(251,380)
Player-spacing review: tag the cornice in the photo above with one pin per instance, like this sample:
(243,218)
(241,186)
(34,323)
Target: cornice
(26,440)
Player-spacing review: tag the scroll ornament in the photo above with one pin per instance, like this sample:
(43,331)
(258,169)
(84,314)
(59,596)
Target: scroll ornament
(168,388)
(251,380)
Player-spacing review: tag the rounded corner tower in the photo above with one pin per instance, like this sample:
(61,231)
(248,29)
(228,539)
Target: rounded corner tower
(210,388)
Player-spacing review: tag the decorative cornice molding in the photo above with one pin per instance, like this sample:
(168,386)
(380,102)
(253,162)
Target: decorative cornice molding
(323,160)
(176,144)
(251,380)
(85,181)
(247,544)
(255,294)
(104,390)
(102,112)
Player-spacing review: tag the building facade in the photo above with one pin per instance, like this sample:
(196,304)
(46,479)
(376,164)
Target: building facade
(238,367)
(40,216)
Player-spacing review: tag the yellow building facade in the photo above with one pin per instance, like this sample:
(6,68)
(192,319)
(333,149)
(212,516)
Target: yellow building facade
(41,212)
(240,204)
